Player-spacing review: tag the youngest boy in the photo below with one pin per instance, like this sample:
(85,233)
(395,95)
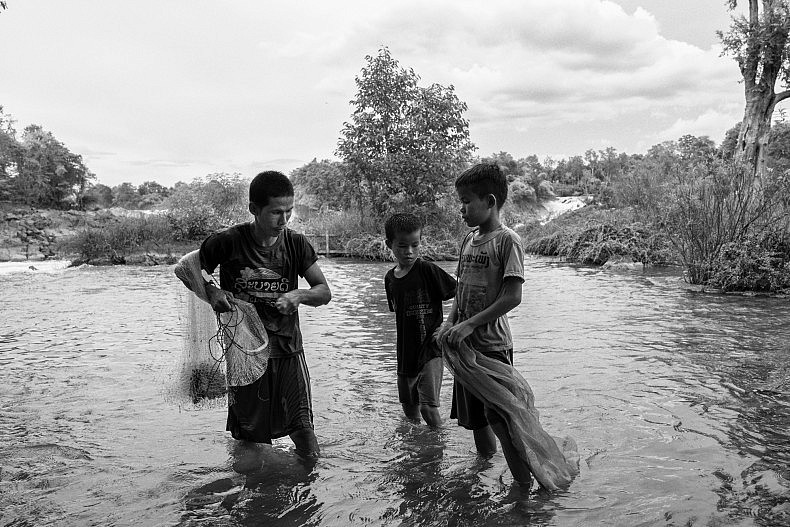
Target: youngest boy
(415,291)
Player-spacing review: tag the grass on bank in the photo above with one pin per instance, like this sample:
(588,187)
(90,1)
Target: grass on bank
(593,235)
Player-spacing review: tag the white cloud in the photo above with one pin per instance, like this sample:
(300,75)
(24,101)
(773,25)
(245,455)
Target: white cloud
(712,123)
(207,86)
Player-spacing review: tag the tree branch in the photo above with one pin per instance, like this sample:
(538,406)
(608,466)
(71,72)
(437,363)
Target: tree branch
(781,96)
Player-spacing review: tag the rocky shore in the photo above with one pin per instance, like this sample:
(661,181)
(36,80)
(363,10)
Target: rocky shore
(34,235)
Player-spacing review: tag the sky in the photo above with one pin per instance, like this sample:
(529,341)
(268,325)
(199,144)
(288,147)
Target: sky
(171,90)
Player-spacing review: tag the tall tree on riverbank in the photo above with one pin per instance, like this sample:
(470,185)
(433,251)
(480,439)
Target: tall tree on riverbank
(404,143)
(759,44)
(49,175)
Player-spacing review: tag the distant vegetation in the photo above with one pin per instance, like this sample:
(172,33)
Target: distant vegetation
(687,202)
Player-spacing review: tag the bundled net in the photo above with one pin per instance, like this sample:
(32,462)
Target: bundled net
(219,349)
(554,463)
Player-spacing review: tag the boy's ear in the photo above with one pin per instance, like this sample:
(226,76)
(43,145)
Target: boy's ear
(388,243)
(253,208)
(491,201)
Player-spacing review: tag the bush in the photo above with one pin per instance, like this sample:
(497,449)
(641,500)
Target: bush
(119,239)
(592,236)
(718,206)
(207,204)
(754,264)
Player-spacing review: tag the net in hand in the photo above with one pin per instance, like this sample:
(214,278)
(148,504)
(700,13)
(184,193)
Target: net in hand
(236,340)
(501,387)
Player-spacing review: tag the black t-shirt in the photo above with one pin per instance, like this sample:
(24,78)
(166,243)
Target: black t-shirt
(416,300)
(260,275)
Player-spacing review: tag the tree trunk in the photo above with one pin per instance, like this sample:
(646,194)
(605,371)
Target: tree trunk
(756,124)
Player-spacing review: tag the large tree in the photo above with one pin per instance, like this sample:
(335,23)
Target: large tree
(48,174)
(404,143)
(759,44)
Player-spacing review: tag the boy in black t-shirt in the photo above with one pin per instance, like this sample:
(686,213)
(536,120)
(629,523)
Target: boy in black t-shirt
(261,262)
(415,291)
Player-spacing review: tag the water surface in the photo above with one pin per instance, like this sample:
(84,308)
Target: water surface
(678,401)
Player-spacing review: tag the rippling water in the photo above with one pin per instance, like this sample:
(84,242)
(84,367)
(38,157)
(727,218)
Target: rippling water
(679,402)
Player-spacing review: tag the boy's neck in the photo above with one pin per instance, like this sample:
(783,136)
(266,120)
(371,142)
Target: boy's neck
(403,271)
(491,224)
(262,238)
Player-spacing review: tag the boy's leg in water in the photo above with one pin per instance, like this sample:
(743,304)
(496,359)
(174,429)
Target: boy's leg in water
(431,415)
(406,394)
(485,441)
(306,442)
(412,411)
(429,385)
(518,467)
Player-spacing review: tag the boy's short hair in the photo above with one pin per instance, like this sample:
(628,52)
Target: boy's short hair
(484,179)
(401,223)
(269,184)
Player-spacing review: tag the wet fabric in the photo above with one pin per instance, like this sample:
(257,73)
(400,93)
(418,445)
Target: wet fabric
(502,388)
(276,405)
(242,339)
(468,409)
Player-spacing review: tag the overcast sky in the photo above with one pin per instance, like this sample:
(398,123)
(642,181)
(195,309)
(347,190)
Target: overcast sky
(177,89)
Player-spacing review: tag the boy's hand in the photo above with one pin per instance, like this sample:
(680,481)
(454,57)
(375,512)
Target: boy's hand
(458,333)
(218,298)
(288,303)
(442,330)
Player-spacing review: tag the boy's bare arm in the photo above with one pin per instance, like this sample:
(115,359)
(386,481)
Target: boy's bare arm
(452,316)
(318,294)
(509,298)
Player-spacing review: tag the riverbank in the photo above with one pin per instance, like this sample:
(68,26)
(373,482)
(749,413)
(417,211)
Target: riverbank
(32,236)
(119,236)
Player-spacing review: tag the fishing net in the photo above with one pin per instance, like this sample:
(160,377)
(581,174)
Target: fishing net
(219,349)
(554,463)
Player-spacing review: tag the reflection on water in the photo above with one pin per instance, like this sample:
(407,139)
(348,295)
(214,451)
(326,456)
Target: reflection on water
(679,401)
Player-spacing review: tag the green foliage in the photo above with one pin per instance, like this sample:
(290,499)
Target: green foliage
(122,237)
(207,204)
(322,185)
(761,48)
(404,144)
(97,196)
(756,263)
(39,170)
(710,207)
(593,236)
(149,195)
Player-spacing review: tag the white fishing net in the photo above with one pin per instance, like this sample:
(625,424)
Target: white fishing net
(554,463)
(219,350)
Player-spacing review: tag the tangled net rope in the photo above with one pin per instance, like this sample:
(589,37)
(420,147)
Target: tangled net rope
(553,463)
(236,340)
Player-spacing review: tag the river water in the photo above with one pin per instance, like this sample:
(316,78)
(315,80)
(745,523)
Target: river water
(679,402)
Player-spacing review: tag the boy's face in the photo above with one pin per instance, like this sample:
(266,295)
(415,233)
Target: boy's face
(405,247)
(474,209)
(271,219)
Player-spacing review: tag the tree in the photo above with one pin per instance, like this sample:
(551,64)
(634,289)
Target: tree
(403,143)
(322,185)
(759,44)
(778,152)
(48,174)
(10,155)
(125,195)
(97,196)
(730,142)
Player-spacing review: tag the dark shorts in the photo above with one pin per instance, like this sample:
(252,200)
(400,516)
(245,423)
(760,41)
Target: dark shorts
(276,405)
(468,409)
(424,387)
